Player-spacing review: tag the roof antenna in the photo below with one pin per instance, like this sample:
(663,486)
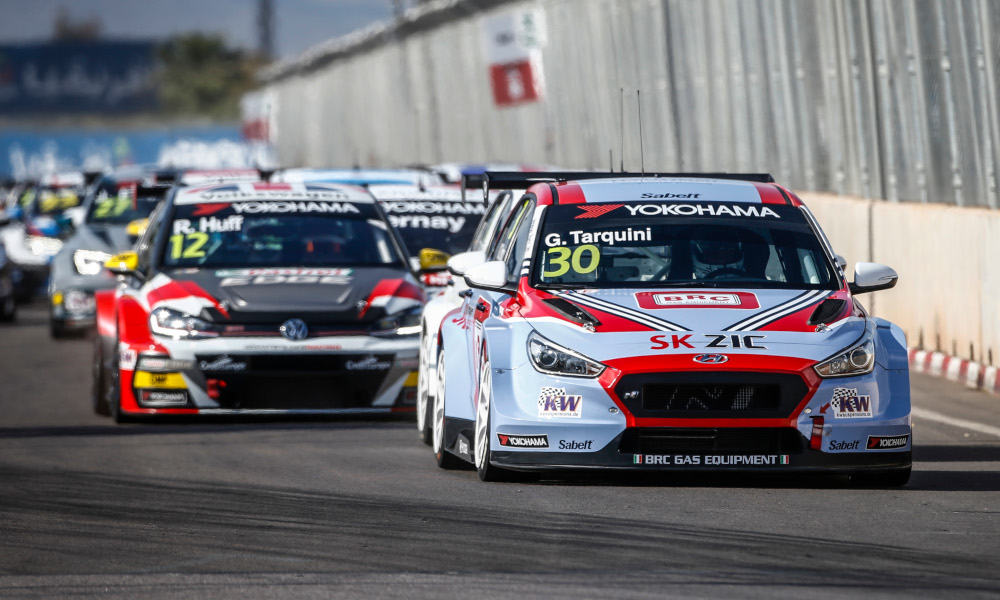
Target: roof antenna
(642,159)
(621,127)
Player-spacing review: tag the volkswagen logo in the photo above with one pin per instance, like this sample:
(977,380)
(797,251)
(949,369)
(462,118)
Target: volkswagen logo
(294,329)
(711,359)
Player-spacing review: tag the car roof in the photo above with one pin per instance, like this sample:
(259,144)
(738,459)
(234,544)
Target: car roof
(283,192)
(674,189)
(358,176)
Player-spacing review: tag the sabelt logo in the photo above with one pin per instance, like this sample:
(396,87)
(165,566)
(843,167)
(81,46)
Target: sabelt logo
(887,442)
(523,441)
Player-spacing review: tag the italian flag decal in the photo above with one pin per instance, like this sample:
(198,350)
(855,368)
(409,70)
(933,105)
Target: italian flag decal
(637,459)
(784,459)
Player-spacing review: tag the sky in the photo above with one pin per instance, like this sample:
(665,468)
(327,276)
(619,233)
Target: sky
(299,25)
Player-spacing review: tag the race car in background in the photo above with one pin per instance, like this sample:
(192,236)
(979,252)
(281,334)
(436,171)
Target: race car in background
(114,215)
(482,243)
(435,222)
(8,304)
(361,177)
(39,222)
(259,298)
(670,323)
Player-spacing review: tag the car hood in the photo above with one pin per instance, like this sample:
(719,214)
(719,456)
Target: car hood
(661,322)
(266,295)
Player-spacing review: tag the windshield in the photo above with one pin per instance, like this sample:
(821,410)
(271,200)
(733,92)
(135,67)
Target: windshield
(445,224)
(708,244)
(48,200)
(123,202)
(238,234)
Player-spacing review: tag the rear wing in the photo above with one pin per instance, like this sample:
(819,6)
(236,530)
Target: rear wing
(519,180)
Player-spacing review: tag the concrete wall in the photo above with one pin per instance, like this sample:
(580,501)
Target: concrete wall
(946,299)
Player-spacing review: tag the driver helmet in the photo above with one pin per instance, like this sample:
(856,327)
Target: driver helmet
(714,249)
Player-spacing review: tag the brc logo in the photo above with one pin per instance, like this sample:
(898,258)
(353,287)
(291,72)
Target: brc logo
(696,299)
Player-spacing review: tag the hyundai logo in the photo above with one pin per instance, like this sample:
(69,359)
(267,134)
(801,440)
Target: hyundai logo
(294,329)
(711,359)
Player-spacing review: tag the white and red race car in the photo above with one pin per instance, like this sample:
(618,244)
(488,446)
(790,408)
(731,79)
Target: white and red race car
(258,298)
(667,322)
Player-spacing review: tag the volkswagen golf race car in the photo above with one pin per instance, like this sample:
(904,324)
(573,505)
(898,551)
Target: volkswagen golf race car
(670,323)
(257,298)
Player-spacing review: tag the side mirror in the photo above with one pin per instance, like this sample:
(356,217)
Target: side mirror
(136,228)
(433,260)
(462,262)
(872,277)
(125,263)
(491,276)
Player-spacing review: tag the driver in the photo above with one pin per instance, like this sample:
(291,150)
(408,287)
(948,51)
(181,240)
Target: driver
(716,252)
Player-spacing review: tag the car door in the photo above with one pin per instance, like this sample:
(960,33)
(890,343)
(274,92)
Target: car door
(481,305)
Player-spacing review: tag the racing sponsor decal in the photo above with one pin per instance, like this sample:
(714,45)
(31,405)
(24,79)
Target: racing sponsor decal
(593,211)
(657,300)
(450,224)
(322,272)
(555,402)
(676,341)
(778,312)
(848,404)
(296,207)
(844,445)
(368,363)
(209,224)
(273,279)
(608,238)
(887,442)
(576,445)
(436,279)
(711,460)
(255,201)
(222,363)
(623,312)
(127,357)
(523,441)
(756,211)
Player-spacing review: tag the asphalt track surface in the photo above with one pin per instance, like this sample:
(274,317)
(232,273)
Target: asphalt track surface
(357,509)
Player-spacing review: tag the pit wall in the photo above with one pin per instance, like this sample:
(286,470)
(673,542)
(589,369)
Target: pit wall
(947,297)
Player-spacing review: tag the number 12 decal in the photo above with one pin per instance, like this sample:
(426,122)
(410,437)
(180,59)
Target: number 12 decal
(188,245)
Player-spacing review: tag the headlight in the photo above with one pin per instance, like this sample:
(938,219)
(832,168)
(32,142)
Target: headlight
(39,245)
(171,323)
(856,360)
(406,322)
(89,262)
(76,301)
(549,357)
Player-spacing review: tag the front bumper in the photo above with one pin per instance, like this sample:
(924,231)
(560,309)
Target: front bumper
(271,377)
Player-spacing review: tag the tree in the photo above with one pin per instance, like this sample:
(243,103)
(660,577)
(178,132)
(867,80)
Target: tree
(200,75)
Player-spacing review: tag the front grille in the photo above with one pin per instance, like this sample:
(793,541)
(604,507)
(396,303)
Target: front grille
(297,381)
(682,440)
(703,395)
(710,397)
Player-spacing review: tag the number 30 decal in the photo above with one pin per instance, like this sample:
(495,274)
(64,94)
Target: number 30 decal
(188,246)
(562,259)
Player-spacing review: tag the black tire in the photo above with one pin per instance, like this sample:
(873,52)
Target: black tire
(57,330)
(887,478)
(114,397)
(445,459)
(98,387)
(425,427)
(8,309)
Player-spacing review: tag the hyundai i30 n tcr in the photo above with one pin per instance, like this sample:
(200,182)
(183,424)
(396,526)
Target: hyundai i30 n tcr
(260,298)
(670,323)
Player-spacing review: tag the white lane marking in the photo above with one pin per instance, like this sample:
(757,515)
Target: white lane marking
(930,415)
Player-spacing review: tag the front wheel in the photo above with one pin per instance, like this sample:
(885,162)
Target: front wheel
(424,400)
(445,459)
(8,308)
(99,386)
(487,471)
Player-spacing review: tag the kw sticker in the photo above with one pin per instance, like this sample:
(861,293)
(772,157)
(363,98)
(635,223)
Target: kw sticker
(848,404)
(555,402)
